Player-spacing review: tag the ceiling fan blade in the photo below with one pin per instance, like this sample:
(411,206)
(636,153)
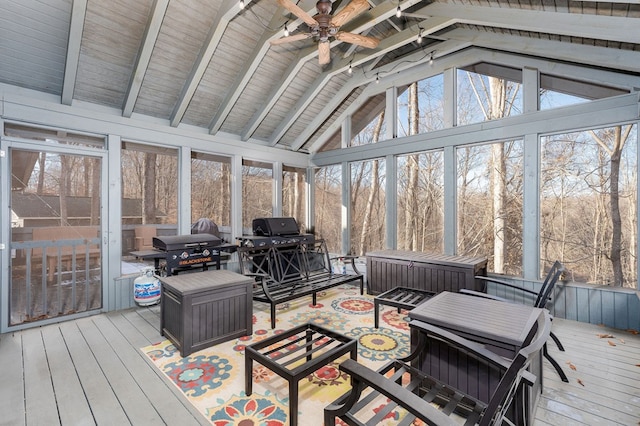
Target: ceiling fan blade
(324,56)
(358,39)
(290,39)
(297,10)
(350,11)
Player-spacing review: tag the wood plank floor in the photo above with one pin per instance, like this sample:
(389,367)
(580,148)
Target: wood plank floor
(91,371)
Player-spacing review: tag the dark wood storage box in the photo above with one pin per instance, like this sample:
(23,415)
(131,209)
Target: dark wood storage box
(203,309)
(387,269)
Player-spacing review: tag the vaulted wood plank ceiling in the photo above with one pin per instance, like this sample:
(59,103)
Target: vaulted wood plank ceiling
(210,64)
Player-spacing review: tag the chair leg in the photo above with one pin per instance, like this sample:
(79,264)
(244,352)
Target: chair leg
(554,363)
(558,344)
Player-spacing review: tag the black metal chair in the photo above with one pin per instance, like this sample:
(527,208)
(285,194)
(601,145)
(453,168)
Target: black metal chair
(427,398)
(542,298)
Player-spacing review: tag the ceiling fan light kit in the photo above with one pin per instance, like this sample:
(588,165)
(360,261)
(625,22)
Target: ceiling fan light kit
(324,26)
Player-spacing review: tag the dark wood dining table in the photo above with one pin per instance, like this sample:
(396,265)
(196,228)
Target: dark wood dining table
(503,327)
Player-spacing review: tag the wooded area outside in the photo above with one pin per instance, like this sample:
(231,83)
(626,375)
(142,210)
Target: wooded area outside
(588,187)
(211,188)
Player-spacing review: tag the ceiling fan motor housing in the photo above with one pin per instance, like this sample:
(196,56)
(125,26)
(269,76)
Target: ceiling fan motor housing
(324,29)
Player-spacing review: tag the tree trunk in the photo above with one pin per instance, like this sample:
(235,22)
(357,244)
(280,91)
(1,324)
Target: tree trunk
(499,194)
(225,208)
(498,89)
(64,189)
(410,225)
(619,139)
(95,190)
(616,219)
(148,189)
(373,193)
(41,163)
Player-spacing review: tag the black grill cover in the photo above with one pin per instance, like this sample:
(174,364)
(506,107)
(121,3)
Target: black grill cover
(205,226)
(275,226)
(182,242)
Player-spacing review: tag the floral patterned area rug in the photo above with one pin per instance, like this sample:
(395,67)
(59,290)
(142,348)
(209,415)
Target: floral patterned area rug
(213,378)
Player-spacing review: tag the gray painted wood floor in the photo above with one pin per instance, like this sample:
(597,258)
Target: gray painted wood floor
(91,371)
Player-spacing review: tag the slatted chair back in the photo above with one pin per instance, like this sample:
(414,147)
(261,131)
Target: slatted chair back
(553,276)
(495,412)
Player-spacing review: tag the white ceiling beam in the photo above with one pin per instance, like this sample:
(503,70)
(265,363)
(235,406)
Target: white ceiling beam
(362,23)
(73,50)
(149,38)
(626,60)
(602,27)
(387,45)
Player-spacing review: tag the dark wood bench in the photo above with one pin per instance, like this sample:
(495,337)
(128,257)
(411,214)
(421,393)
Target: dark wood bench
(400,386)
(290,271)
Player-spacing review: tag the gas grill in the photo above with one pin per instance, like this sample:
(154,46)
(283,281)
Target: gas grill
(186,252)
(273,231)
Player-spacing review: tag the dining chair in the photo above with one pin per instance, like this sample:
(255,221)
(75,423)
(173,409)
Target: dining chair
(404,393)
(542,298)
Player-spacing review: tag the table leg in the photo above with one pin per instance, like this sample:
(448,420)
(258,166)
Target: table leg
(376,310)
(293,403)
(248,374)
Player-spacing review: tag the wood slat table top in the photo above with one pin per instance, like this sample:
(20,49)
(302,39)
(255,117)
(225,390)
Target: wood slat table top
(498,321)
(196,281)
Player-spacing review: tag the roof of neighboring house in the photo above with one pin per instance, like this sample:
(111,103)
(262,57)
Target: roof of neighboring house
(34,206)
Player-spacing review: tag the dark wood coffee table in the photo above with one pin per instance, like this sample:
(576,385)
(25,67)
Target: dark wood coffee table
(296,353)
(401,298)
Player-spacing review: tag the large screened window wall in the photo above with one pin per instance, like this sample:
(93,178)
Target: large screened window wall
(523,201)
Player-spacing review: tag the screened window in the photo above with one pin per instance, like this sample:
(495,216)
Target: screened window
(257,192)
(421,202)
(211,188)
(149,198)
(422,103)
(294,191)
(560,91)
(487,92)
(588,199)
(367,206)
(490,200)
(328,208)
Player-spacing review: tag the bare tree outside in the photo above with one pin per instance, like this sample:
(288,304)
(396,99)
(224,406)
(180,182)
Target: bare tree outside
(294,195)
(210,188)
(150,176)
(495,98)
(328,182)
(420,175)
(257,192)
(587,205)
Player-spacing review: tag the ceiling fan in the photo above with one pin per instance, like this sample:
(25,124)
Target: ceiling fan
(324,25)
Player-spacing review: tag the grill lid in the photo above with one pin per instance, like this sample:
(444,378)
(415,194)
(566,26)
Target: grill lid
(273,226)
(183,242)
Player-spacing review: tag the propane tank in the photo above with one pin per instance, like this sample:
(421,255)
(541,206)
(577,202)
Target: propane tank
(146,288)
